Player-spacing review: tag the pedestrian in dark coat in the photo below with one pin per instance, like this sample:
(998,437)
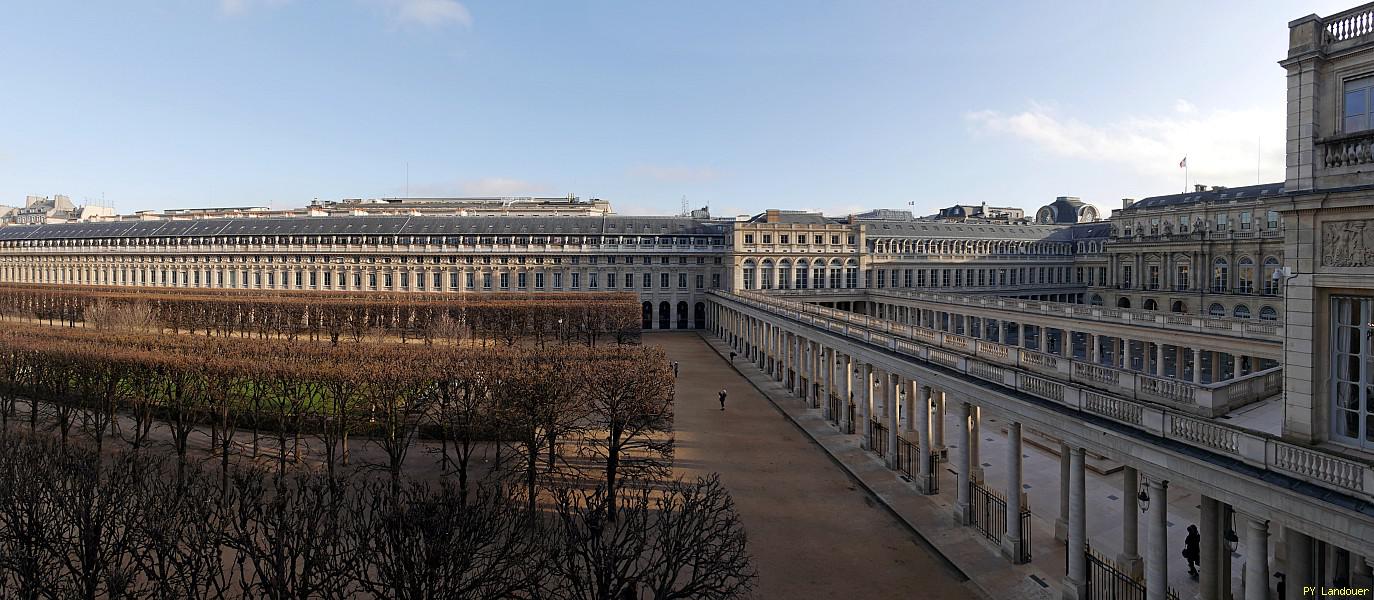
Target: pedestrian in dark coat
(722,399)
(1192,550)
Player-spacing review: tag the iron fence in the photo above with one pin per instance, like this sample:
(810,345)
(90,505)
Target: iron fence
(989,512)
(878,441)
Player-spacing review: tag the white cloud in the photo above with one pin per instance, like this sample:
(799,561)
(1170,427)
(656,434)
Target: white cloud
(1220,145)
(675,174)
(428,13)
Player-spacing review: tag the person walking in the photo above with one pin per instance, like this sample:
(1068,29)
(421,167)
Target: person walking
(722,399)
(674,369)
(732,356)
(1192,550)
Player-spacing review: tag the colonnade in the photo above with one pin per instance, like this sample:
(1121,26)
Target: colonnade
(1192,364)
(901,418)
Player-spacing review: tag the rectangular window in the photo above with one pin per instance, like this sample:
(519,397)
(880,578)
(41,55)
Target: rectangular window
(520,280)
(663,280)
(539,280)
(576,280)
(505,281)
(648,280)
(1245,220)
(1271,219)
(682,280)
(593,280)
(387,281)
(610,280)
(1357,110)
(748,238)
(1352,371)
(1222,224)
(469,280)
(715,281)
(557,281)
(701,281)
(767,238)
(486,281)
(629,280)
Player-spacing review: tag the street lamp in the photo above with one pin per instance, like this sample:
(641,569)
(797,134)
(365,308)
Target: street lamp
(1230,535)
(1143,497)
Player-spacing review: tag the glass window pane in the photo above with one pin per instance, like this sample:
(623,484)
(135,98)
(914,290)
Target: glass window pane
(1355,102)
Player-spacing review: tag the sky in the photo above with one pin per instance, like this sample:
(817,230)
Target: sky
(740,106)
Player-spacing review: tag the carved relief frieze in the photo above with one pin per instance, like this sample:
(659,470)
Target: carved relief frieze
(1348,243)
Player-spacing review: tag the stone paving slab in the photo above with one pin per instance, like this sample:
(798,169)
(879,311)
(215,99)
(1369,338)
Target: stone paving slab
(930,517)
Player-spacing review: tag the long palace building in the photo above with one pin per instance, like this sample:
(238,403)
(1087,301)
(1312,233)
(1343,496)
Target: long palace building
(1216,341)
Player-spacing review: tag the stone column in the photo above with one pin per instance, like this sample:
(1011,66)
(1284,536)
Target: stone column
(828,376)
(975,421)
(846,390)
(1208,563)
(1126,354)
(1076,584)
(1012,539)
(866,407)
(1299,562)
(1159,359)
(922,412)
(962,516)
(1236,366)
(1256,559)
(1197,365)
(937,426)
(1061,525)
(1157,563)
(1129,559)
(890,408)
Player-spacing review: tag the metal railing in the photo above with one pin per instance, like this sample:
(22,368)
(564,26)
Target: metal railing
(988,508)
(879,441)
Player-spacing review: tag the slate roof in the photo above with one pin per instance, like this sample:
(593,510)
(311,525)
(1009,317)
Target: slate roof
(1249,192)
(338,225)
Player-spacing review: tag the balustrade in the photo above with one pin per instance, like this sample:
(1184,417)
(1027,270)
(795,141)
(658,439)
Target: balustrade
(1259,449)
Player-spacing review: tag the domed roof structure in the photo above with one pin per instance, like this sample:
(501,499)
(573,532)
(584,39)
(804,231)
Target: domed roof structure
(1066,210)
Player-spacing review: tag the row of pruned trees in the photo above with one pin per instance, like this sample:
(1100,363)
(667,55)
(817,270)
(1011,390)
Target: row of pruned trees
(334,316)
(76,524)
(589,413)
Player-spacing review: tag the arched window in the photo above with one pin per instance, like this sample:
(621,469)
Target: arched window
(1216,310)
(836,274)
(1241,311)
(766,274)
(851,274)
(1221,274)
(1246,272)
(1269,276)
(1123,302)
(818,275)
(802,273)
(1096,300)
(1150,304)
(784,274)
(665,319)
(749,274)
(682,315)
(1267,313)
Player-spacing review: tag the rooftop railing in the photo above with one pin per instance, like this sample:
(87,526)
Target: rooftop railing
(1139,401)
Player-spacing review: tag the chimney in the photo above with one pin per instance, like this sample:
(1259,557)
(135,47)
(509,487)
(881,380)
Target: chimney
(772,215)
(1127,202)
(1218,188)
(1198,187)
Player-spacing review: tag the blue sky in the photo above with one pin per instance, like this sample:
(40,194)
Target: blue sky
(795,104)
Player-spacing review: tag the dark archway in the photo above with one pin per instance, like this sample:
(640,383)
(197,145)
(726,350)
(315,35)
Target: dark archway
(682,311)
(665,317)
(647,321)
(1123,302)
(1150,304)
(1179,307)
(700,314)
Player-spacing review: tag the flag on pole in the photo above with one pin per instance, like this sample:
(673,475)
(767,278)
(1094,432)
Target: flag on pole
(1183,164)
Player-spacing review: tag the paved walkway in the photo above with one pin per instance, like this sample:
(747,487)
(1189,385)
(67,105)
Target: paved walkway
(932,516)
(814,532)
